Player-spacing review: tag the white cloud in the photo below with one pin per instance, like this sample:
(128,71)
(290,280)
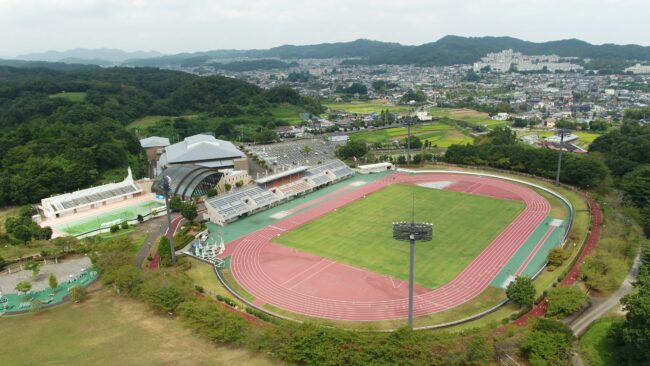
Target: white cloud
(176,25)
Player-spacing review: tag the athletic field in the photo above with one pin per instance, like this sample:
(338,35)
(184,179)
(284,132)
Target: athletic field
(116,216)
(359,234)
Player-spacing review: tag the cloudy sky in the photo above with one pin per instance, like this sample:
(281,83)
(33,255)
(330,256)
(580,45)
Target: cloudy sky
(172,26)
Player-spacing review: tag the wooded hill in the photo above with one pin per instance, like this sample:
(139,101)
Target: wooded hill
(65,130)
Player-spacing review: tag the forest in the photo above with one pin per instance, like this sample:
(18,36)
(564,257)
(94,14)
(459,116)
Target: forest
(62,130)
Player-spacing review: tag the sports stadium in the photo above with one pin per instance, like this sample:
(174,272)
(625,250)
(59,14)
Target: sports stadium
(316,243)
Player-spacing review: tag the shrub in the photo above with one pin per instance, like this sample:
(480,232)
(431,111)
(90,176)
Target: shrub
(259,314)
(217,324)
(140,218)
(199,288)
(227,300)
(115,228)
(78,294)
(162,297)
(555,258)
(125,225)
(563,301)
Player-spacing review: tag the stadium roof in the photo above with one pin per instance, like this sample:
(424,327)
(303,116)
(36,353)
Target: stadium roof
(187,180)
(272,177)
(200,148)
(154,141)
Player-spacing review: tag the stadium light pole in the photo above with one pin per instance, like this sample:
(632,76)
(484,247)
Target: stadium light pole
(167,184)
(561,132)
(412,231)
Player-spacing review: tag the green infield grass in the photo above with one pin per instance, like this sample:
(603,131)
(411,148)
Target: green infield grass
(121,214)
(360,234)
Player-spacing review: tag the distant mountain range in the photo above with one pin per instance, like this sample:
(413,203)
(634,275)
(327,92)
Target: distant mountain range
(96,56)
(449,50)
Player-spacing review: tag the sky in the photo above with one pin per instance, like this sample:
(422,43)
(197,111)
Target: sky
(172,26)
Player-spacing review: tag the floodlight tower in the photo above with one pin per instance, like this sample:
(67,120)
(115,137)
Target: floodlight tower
(167,184)
(560,132)
(412,231)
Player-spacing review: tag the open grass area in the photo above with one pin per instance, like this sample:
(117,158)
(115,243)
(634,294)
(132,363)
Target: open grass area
(467,115)
(597,344)
(107,219)
(71,96)
(203,275)
(109,330)
(368,106)
(288,113)
(360,234)
(148,121)
(440,134)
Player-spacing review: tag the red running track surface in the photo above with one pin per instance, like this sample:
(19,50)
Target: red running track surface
(311,285)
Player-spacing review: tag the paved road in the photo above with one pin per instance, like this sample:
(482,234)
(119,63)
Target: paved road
(582,322)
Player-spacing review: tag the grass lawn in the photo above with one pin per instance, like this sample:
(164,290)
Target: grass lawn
(597,344)
(288,113)
(148,121)
(109,330)
(368,107)
(440,134)
(71,96)
(360,233)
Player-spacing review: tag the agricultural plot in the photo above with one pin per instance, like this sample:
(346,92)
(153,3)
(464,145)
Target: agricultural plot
(440,134)
(368,107)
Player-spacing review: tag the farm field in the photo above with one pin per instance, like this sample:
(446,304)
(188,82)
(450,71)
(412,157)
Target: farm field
(109,330)
(467,115)
(368,107)
(440,134)
(360,234)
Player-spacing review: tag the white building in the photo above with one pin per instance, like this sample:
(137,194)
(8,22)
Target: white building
(503,61)
(375,168)
(87,199)
(639,69)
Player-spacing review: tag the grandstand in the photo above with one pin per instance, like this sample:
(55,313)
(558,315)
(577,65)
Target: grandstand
(87,199)
(293,153)
(274,189)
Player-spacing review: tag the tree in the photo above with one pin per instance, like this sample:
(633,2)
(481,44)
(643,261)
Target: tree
(53,281)
(632,335)
(189,211)
(416,143)
(78,293)
(306,149)
(239,183)
(33,266)
(22,233)
(565,300)
(521,291)
(175,203)
(227,187)
(124,225)
(23,287)
(115,228)
(549,343)
(212,192)
(352,149)
(555,258)
(601,270)
(140,218)
(3,263)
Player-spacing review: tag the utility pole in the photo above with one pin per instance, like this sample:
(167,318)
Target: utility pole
(167,184)
(561,132)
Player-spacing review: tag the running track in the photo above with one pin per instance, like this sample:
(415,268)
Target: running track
(318,287)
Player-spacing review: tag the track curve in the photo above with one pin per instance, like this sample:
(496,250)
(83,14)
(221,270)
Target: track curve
(259,278)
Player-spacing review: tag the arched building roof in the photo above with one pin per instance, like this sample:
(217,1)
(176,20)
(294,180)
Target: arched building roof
(188,180)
